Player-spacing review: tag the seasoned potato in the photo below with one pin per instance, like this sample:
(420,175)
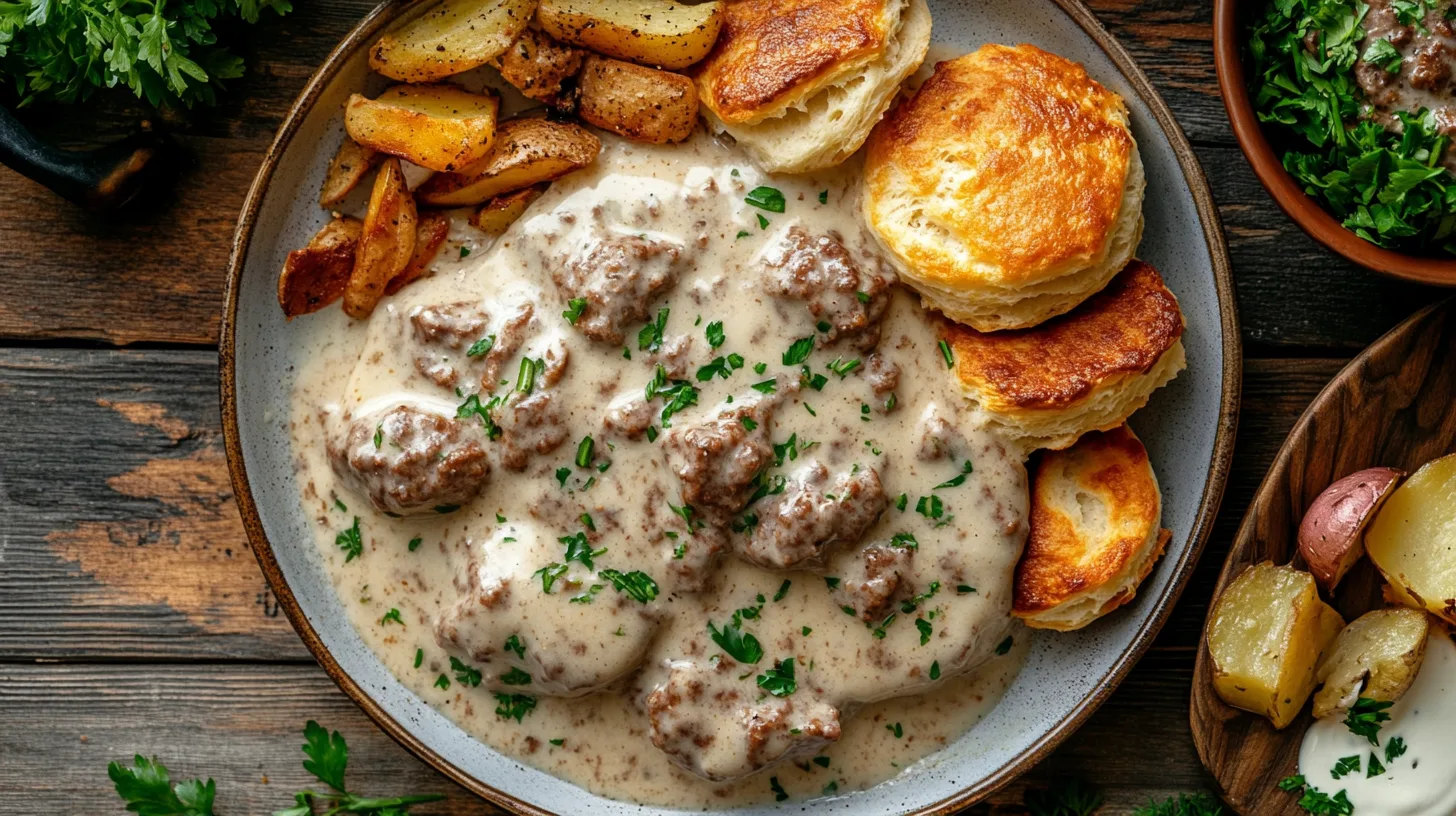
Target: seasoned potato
(527,152)
(640,103)
(315,276)
(386,243)
(498,214)
(652,32)
(1413,539)
(352,162)
(1266,635)
(1376,656)
(1332,534)
(435,126)
(449,37)
(429,235)
(539,66)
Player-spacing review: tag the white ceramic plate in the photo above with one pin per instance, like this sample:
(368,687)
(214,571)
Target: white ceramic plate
(1188,429)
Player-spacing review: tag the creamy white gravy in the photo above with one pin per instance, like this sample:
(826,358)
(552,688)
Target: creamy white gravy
(903,688)
(1419,782)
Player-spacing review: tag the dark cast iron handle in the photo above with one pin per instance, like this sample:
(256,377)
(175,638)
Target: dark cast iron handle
(100,180)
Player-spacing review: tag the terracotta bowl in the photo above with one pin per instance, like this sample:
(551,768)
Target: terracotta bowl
(1306,212)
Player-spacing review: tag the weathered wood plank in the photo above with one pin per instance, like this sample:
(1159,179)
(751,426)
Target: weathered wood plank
(123,542)
(241,725)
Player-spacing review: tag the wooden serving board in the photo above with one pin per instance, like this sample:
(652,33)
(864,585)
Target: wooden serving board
(1393,405)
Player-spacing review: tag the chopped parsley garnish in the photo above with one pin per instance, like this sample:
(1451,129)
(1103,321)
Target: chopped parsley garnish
(585,452)
(783,590)
(813,380)
(500,519)
(862,297)
(766,198)
(957,480)
(1394,748)
(516,677)
(843,367)
(923,626)
(1291,783)
(1346,766)
(1382,53)
(1004,646)
(799,351)
(935,670)
(464,252)
(514,706)
(805,631)
(821,761)
(419,657)
(779,680)
(831,582)
(464,675)
(879,631)
(639,585)
(896,730)
(414,543)
(719,367)
(749,423)
(930,507)
(378,435)
(779,793)
(515,644)
(679,394)
(714,333)
(549,574)
(445,508)
(765,387)
(823,196)
(392,616)
(687,514)
(575,308)
(351,541)
(823,326)
(759,368)
(740,645)
(651,433)
(590,594)
(912,603)
(472,407)
(904,541)
(810,409)
(579,549)
(340,506)
(1365,716)
(1373,767)
(946,353)
(650,337)
(442,682)
(562,474)
(526,377)
(742,234)
(830,788)
(762,222)
(964,589)
(901,501)
(558,742)
(481,347)
(587,521)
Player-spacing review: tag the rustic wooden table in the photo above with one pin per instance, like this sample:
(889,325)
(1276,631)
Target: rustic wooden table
(133,618)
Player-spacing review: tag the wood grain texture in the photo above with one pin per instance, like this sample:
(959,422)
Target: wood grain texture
(1391,406)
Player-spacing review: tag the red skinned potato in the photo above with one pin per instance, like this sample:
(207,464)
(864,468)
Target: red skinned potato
(1332,534)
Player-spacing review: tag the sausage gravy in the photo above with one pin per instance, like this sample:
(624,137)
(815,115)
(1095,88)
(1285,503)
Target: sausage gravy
(668,490)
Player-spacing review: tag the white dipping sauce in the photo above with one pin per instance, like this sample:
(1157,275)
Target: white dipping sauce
(1422,782)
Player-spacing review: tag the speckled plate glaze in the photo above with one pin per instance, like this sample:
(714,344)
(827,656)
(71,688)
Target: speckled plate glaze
(1188,429)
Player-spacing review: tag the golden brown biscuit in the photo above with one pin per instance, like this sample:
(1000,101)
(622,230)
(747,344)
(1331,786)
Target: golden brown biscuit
(1009,188)
(1087,370)
(1095,534)
(800,83)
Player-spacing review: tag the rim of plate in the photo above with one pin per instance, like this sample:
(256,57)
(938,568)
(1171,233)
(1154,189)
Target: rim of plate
(1219,461)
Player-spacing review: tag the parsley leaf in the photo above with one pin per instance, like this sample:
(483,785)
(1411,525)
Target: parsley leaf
(637,584)
(147,789)
(779,680)
(351,541)
(465,675)
(1066,796)
(799,351)
(575,308)
(328,756)
(514,706)
(1365,716)
(766,198)
(715,334)
(741,646)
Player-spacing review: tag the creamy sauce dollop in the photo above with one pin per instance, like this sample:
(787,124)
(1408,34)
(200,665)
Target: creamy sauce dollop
(1420,782)
(904,686)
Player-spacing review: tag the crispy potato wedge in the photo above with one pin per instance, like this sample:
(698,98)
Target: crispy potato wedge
(540,67)
(352,162)
(1266,636)
(386,243)
(430,235)
(651,32)
(449,37)
(315,276)
(637,102)
(1376,656)
(1413,539)
(438,127)
(498,214)
(527,152)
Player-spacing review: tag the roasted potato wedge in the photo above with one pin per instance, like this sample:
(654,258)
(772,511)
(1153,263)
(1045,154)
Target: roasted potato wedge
(640,103)
(352,162)
(449,37)
(386,243)
(1376,656)
(1332,534)
(498,214)
(651,32)
(1413,539)
(433,228)
(540,67)
(527,152)
(315,276)
(438,127)
(1266,636)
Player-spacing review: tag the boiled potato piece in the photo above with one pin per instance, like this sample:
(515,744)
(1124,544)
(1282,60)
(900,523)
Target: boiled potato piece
(527,152)
(1266,635)
(1413,539)
(1376,656)
(315,276)
(429,235)
(449,37)
(652,32)
(438,127)
(498,214)
(539,66)
(640,103)
(351,163)
(386,243)
(1332,534)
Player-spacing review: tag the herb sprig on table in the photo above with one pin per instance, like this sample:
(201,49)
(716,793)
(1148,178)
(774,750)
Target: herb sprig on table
(1389,188)
(147,789)
(165,52)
